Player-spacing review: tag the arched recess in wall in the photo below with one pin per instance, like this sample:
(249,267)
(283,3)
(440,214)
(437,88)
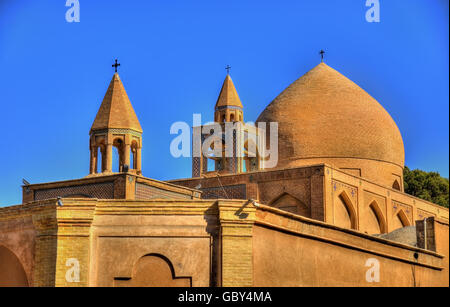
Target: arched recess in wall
(376,222)
(12,272)
(153,270)
(396,185)
(344,212)
(400,220)
(289,203)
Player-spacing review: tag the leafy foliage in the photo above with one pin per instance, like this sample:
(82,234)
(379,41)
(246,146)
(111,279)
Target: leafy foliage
(426,185)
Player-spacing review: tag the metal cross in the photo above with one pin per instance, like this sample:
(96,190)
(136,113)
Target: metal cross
(321,54)
(228,69)
(115,65)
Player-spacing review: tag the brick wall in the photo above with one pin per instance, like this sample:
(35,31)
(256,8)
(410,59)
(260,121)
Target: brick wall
(236,229)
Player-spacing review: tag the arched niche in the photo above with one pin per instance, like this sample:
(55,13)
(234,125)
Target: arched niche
(344,212)
(396,185)
(12,272)
(289,203)
(400,220)
(375,223)
(153,270)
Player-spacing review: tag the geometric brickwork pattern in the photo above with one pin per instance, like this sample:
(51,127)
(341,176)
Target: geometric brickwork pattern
(103,190)
(231,192)
(196,167)
(119,131)
(145,192)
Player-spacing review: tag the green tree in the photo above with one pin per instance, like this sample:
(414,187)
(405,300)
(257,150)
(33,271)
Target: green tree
(426,185)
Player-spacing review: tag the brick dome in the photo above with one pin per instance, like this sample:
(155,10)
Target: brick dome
(323,117)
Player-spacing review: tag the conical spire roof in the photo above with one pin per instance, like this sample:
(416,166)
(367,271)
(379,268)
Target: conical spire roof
(228,94)
(116,110)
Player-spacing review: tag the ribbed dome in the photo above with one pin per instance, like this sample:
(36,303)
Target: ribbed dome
(324,115)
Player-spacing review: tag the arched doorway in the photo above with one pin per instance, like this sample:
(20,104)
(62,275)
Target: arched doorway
(12,273)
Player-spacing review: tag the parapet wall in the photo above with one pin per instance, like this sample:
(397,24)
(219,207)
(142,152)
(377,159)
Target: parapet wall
(291,250)
(165,242)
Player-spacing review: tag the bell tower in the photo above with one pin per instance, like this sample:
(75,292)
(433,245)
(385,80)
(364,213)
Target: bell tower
(228,110)
(228,106)
(115,126)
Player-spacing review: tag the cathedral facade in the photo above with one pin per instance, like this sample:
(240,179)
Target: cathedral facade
(332,212)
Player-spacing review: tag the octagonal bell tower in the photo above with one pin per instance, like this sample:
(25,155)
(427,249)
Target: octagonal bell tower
(116,125)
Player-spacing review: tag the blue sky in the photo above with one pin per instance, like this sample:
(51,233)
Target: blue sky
(54,74)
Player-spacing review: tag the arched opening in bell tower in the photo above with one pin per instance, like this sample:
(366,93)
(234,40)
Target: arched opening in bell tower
(118,155)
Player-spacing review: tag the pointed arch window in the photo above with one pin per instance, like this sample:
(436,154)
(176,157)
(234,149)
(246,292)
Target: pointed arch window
(396,185)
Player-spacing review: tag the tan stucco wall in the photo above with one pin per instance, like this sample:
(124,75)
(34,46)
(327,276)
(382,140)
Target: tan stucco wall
(18,236)
(204,243)
(303,252)
(119,241)
(442,245)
